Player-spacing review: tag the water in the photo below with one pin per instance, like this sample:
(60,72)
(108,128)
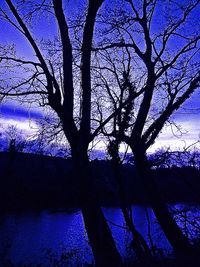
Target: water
(59,238)
(34,238)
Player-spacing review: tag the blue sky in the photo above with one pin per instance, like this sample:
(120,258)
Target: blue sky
(12,112)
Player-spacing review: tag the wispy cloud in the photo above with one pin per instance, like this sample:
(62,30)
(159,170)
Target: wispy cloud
(17,112)
(23,120)
(27,127)
(26,121)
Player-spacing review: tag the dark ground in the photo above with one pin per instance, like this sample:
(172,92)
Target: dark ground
(29,181)
(34,181)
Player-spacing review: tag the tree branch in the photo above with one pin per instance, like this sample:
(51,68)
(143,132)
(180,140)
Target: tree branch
(153,131)
(86,49)
(67,59)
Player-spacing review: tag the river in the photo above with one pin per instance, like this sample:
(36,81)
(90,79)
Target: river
(58,238)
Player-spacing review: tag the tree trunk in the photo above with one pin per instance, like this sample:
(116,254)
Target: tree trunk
(139,244)
(99,234)
(173,233)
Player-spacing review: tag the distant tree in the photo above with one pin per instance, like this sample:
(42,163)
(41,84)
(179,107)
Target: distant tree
(166,158)
(15,140)
(152,50)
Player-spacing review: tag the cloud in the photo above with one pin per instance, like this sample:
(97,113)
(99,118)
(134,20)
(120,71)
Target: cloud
(175,140)
(16,112)
(20,130)
(26,121)
(26,127)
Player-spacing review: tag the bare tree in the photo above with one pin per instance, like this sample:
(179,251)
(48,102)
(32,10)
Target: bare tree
(52,83)
(151,52)
(144,61)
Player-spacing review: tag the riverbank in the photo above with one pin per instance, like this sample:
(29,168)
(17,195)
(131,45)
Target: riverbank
(29,181)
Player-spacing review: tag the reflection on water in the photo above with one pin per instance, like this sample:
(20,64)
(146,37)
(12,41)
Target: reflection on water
(46,237)
(34,238)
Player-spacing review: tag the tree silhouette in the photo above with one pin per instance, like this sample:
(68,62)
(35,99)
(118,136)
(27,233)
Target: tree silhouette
(154,69)
(53,85)
(126,82)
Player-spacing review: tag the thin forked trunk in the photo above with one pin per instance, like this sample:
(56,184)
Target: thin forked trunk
(139,244)
(99,234)
(173,233)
